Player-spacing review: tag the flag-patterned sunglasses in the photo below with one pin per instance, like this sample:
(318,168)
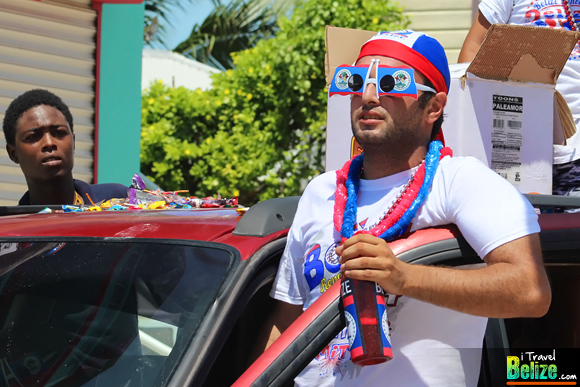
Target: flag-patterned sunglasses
(392,81)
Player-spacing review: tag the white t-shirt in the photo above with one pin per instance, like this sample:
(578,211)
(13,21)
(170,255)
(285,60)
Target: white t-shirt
(548,14)
(432,346)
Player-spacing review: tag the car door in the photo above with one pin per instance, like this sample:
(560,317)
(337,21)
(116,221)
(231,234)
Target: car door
(312,331)
(442,246)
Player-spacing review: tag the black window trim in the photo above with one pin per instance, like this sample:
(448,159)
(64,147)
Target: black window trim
(251,275)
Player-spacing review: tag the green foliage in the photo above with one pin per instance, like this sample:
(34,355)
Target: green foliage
(260,131)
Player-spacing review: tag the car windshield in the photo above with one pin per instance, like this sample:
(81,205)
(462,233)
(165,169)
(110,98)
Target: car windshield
(104,313)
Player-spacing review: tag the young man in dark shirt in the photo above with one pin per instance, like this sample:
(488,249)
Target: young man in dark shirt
(38,128)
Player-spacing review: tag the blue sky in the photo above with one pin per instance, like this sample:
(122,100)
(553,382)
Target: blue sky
(194,11)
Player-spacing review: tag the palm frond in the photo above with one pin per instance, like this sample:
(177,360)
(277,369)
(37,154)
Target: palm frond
(234,27)
(157,18)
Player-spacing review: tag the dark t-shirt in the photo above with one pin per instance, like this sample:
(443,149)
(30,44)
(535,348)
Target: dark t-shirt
(97,192)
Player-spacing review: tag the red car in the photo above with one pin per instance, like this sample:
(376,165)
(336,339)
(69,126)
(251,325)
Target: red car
(177,297)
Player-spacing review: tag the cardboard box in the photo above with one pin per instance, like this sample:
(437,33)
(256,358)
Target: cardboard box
(509,84)
(503,107)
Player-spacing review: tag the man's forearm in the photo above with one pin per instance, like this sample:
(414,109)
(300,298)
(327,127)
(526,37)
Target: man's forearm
(474,38)
(513,284)
(492,291)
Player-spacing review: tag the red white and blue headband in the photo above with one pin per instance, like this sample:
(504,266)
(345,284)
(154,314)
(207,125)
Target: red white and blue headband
(418,50)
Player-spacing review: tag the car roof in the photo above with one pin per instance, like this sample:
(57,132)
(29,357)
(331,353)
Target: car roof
(262,223)
(202,224)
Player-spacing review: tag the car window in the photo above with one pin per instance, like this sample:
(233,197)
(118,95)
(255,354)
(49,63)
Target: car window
(85,313)
(560,327)
(246,319)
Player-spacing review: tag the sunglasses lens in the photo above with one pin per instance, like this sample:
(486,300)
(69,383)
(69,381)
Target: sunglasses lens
(355,82)
(387,83)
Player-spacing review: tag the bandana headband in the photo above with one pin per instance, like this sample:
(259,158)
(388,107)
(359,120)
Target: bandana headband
(416,49)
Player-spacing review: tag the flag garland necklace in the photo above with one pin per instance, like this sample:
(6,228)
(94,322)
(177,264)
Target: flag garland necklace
(404,208)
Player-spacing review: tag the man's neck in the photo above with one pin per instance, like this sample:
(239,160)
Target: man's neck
(382,164)
(61,191)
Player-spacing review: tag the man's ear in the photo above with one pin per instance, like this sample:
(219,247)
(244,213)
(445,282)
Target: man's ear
(11,150)
(435,107)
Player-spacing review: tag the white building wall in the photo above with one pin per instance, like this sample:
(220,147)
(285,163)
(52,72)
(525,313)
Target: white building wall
(175,70)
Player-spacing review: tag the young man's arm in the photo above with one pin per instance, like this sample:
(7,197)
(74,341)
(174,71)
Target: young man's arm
(474,38)
(282,317)
(513,284)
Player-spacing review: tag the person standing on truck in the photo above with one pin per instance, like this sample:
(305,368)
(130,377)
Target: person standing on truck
(557,14)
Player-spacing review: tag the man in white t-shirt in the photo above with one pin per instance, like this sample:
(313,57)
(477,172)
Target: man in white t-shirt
(557,14)
(437,315)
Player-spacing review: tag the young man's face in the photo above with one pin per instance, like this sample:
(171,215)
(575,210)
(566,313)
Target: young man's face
(43,145)
(387,120)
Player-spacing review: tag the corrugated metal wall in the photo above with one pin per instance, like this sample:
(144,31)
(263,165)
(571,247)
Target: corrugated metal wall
(49,45)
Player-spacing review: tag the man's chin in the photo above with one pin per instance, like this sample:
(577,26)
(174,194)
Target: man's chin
(55,175)
(367,138)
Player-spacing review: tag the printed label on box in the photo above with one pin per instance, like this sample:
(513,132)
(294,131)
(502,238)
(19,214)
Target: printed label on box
(506,137)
